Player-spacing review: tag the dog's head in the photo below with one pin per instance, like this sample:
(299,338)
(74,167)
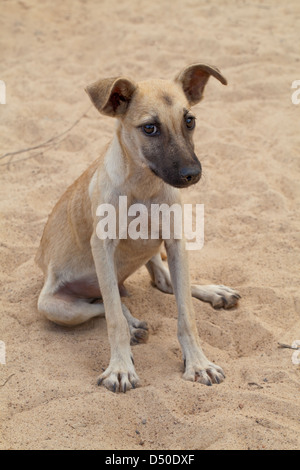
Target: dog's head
(156,121)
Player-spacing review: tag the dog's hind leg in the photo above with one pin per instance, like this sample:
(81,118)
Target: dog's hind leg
(160,274)
(138,329)
(218,296)
(68,310)
(71,311)
(62,306)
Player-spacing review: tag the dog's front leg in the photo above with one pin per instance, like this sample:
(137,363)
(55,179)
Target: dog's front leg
(120,374)
(197,366)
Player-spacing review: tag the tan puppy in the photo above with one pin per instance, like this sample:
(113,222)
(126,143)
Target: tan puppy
(150,156)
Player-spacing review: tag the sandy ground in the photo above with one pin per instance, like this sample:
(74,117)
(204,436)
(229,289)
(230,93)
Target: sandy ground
(248,140)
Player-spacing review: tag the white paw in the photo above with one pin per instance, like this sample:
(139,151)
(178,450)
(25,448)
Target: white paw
(119,378)
(224,297)
(218,296)
(206,374)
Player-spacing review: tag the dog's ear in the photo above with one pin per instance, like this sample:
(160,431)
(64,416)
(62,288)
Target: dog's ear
(194,78)
(111,96)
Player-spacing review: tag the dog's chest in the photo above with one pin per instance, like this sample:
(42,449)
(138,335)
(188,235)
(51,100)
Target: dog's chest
(139,233)
(131,254)
(139,238)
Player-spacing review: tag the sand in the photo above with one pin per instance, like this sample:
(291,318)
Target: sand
(248,141)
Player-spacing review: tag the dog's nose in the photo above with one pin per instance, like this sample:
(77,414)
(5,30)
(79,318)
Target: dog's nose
(190,175)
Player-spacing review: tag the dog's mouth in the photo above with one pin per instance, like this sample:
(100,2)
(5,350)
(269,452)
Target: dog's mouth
(182,178)
(154,170)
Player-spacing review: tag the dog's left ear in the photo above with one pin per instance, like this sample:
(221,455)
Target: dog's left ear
(194,78)
(111,96)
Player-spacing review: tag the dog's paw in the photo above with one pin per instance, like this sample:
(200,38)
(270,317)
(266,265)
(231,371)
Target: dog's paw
(217,296)
(207,374)
(224,297)
(118,379)
(139,332)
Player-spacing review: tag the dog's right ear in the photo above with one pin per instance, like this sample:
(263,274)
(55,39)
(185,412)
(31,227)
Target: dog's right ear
(111,96)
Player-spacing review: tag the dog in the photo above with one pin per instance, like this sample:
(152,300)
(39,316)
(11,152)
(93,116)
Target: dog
(151,156)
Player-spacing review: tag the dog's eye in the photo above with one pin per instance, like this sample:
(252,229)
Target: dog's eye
(150,129)
(190,122)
